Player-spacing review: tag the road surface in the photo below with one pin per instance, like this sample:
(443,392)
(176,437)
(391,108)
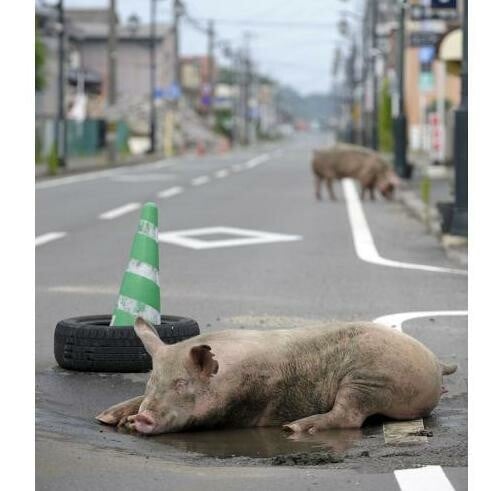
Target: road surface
(272,257)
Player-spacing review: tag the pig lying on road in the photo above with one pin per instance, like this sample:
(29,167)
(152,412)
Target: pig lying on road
(360,163)
(306,379)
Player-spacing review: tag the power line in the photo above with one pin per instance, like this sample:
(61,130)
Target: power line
(276,24)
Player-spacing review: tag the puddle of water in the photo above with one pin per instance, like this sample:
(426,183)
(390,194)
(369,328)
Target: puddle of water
(260,442)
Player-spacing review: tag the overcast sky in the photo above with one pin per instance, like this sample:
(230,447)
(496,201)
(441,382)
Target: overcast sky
(295,54)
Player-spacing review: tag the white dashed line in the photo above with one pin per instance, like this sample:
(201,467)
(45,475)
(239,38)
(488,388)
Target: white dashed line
(431,477)
(364,242)
(198,181)
(49,237)
(237,167)
(121,210)
(221,173)
(170,192)
(250,164)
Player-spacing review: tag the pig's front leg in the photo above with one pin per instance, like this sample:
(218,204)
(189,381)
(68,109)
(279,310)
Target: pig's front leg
(118,415)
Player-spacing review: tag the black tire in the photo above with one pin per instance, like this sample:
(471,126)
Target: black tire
(89,344)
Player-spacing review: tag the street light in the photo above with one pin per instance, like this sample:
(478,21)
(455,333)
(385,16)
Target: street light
(152,77)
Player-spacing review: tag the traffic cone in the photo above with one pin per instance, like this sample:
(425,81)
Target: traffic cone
(140,294)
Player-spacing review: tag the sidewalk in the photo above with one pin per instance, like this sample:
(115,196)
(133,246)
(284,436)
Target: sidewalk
(94,163)
(412,193)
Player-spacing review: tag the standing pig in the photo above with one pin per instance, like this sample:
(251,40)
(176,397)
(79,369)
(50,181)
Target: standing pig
(360,163)
(306,379)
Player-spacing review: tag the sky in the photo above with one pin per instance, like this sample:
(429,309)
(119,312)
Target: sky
(299,52)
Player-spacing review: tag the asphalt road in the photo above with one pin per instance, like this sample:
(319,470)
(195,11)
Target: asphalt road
(316,278)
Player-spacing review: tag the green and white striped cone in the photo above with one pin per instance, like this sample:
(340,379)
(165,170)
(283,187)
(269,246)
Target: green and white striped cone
(140,294)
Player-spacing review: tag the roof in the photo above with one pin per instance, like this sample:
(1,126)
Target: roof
(98,32)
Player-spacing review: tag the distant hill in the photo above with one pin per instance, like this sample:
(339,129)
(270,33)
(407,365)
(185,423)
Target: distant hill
(313,106)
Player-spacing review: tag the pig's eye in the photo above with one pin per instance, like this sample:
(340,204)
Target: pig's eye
(180,384)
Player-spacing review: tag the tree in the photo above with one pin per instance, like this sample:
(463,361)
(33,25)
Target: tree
(39,62)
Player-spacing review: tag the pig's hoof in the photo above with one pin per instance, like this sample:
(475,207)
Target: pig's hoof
(106,418)
(299,428)
(292,427)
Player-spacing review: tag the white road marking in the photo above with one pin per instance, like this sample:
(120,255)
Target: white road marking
(396,320)
(85,290)
(89,176)
(198,181)
(250,164)
(221,173)
(49,237)
(170,192)
(121,210)
(431,477)
(240,237)
(237,167)
(364,242)
(143,177)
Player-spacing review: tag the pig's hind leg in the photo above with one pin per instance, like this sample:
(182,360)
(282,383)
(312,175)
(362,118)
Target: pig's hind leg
(330,187)
(118,414)
(347,412)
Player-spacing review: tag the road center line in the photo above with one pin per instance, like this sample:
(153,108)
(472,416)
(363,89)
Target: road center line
(429,477)
(49,237)
(364,242)
(250,164)
(198,181)
(170,192)
(121,210)
(221,173)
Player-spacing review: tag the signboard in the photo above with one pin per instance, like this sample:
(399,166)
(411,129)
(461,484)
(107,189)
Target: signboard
(171,93)
(426,81)
(443,4)
(424,38)
(422,12)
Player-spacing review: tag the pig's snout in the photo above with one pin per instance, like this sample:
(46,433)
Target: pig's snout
(145,422)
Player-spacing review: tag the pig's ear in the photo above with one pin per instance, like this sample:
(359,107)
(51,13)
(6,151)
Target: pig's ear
(200,361)
(148,335)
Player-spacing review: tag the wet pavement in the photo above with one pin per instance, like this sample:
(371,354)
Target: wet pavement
(311,281)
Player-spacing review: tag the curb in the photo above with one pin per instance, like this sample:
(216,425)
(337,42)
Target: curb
(456,248)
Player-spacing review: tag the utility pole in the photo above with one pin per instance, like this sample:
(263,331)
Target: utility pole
(211,65)
(152,77)
(375,106)
(112,84)
(61,126)
(459,224)
(177,13)
(400,123)
(247,78)
(363,95)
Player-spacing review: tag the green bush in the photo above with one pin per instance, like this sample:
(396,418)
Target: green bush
(385,129)
(223,122)
(52,160)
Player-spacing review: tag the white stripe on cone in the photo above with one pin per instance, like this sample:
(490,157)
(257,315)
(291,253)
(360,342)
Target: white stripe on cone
(136,308)
(147,228)
(143,269)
